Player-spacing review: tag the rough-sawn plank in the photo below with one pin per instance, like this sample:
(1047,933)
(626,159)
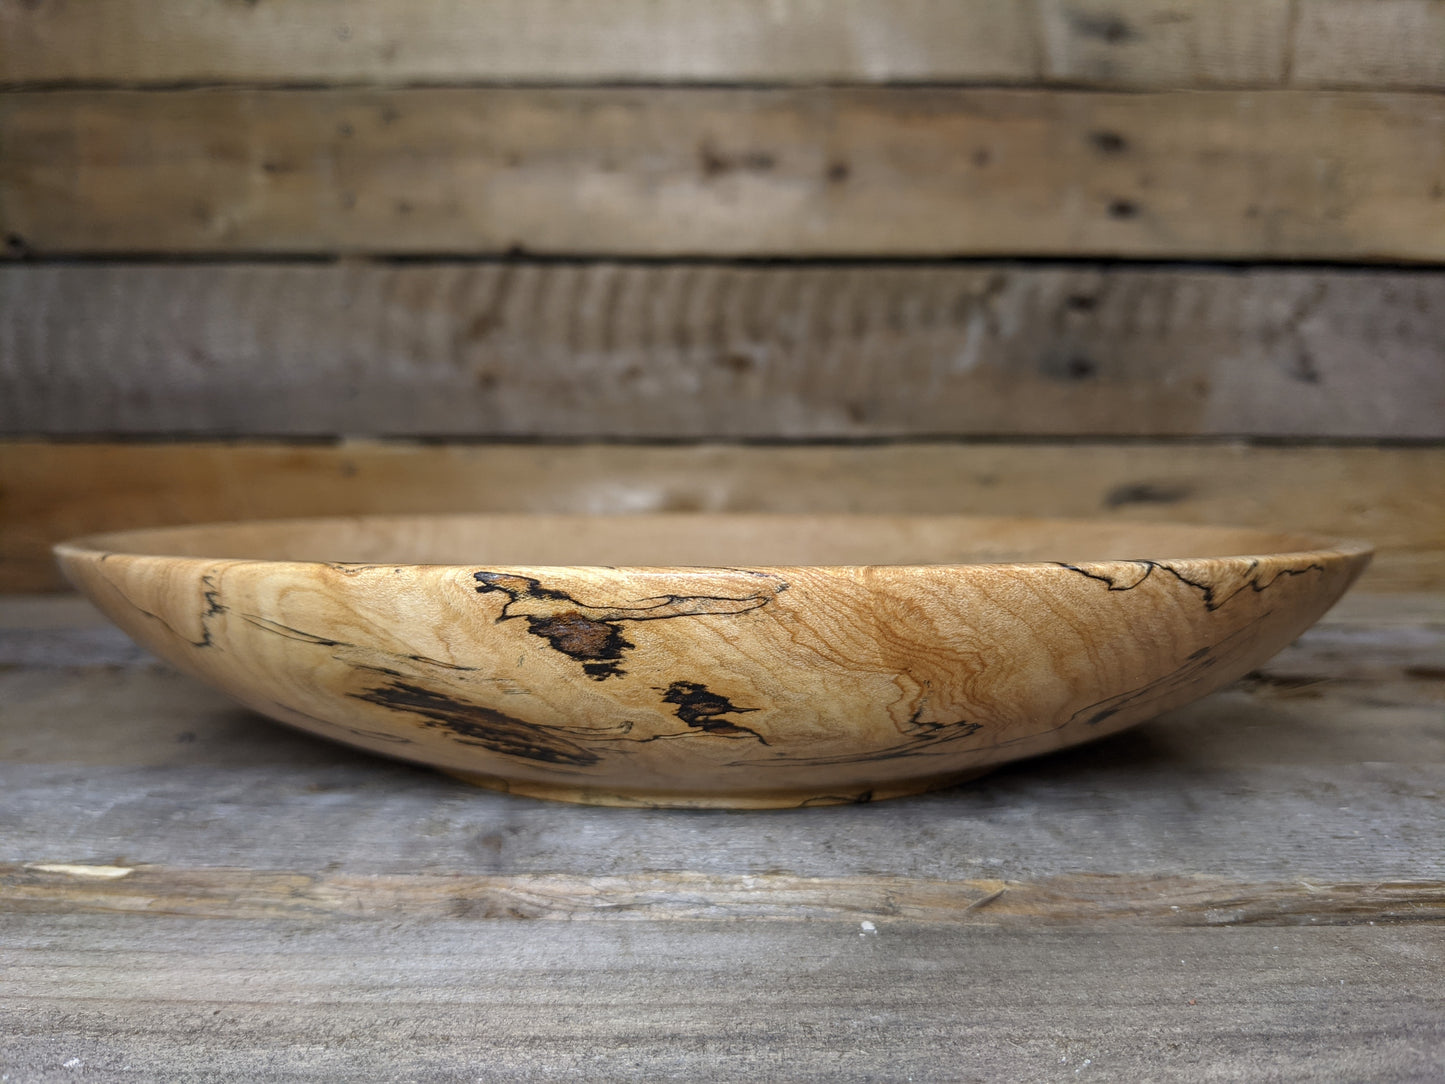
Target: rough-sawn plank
(717,351)
(1125,43)
(726,171)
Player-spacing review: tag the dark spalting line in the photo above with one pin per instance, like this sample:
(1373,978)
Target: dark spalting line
(429,661)
(265,624)
(1194,666)
(702,709)
(357,731)
(593,635)
(1211,601)
(929,742)
(213,608)
(475,724)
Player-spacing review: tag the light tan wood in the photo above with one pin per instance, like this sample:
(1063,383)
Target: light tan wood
(712,661)
(1395,496)
(717,351)
(1130,43)
(785,172)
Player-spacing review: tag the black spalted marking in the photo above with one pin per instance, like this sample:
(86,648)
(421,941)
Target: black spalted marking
(593,635)
(214,608)
(702,709)
(924,739)
(598,645)
(1114,584)
(265,624)
(1212,601)
(475,724)
(1123,208)
(1147,493)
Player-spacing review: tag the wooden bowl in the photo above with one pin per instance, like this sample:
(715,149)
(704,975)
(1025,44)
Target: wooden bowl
(712,660)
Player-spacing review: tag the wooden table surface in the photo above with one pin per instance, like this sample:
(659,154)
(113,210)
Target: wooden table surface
(1251,888)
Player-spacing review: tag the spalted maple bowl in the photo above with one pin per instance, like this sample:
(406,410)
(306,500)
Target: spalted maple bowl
(712,660)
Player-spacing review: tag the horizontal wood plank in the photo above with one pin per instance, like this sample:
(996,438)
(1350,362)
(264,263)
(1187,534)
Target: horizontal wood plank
(218,1001)
(782,172)
(1125,43)
(1394,497)
(717,351)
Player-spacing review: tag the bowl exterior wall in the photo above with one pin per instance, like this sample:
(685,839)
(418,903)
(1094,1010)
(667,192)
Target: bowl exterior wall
(731,687)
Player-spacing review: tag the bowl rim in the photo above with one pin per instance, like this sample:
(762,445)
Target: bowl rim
(114,543)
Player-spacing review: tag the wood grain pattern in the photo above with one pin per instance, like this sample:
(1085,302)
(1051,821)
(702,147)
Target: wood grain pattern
(1377,43)
(1125,43)
(786,172)
(1394,497)
(717,351)
(712,661)
(116,996)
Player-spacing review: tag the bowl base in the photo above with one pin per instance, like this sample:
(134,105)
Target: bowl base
(793,799)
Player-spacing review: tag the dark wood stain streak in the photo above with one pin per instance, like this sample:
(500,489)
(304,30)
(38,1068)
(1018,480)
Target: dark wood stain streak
(476,724)
(593,635)
(702,709)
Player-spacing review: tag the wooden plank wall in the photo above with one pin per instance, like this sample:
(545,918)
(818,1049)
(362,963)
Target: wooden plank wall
(1155,224)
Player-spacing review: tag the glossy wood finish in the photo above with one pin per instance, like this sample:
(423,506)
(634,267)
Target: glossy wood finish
(726,661)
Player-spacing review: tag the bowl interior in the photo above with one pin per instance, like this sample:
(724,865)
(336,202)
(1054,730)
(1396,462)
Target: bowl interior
(680,539)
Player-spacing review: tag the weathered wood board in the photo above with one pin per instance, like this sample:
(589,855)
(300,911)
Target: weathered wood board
(1124,43)
(821,171)
(1391,496)
(201,1000)
(718,351)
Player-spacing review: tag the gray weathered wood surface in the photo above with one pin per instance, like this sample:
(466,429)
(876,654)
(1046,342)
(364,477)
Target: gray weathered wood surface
(1249,888)
(1119,43)
(718,351)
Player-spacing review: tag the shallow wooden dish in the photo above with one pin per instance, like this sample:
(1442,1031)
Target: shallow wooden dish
(712,660)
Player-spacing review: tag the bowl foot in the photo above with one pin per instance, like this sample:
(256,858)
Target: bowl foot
(793,799)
